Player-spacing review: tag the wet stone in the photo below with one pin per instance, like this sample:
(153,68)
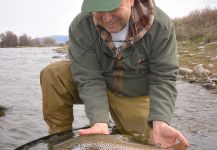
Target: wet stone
(2,111)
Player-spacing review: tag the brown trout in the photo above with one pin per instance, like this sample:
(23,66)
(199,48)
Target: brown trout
(104,142)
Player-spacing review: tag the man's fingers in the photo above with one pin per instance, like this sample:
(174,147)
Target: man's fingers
(105,131)
(89,131)
(93,130)
(182,140)
(85,131)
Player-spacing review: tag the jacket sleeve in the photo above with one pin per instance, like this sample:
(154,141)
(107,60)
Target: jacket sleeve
(163,66)
(86,71)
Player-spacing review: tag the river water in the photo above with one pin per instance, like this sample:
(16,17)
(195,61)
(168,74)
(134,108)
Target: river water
(195,114)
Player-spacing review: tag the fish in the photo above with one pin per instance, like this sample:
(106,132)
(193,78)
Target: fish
(104,142)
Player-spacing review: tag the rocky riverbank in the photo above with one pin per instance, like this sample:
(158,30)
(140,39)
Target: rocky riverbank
(62,49)
(198,63)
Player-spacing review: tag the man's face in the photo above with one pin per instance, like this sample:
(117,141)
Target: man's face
(114,21)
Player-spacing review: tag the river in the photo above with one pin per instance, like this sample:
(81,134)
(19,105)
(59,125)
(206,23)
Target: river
(195,114)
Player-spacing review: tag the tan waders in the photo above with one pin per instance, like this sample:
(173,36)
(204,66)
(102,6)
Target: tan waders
(60,93)
(130,113)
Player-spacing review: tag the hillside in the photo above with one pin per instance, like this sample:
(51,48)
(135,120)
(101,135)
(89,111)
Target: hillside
(60,38)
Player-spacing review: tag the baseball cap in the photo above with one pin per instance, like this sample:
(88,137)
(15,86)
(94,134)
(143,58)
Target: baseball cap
(99,5)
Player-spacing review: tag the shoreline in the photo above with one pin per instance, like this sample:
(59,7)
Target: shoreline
(198,63)
(204,83)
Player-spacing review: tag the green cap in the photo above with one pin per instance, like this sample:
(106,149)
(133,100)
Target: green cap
(99,5)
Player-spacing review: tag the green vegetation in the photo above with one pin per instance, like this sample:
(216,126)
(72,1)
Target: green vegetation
(197,46)
(199,25)
(197,39)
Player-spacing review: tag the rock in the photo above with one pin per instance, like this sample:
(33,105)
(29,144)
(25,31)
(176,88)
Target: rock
(209,85)
(214,58)
(213,76)
(2,111)
(185,43)
(179,77)
(192,80)
(200,47)
(183,51)
(199,69)
(202,43)
(213,43)
(210,65)
(213,80)
(62,49)
(191,55)
(56,57)
(184,71)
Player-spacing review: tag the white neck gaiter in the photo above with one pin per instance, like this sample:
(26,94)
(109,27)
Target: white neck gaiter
(120,36)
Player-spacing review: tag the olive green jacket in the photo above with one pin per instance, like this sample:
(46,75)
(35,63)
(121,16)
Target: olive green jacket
(150,70)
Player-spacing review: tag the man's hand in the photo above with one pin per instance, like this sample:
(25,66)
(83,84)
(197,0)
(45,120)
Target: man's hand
(97,128)
(167,136)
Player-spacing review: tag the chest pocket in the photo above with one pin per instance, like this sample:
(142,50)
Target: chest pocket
(137,62)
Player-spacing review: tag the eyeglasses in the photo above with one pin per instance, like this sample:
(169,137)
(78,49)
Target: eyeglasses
(116,58)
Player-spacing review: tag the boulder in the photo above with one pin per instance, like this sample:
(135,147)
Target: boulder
(199,69)
(210,65)
(184,71)
(2,111)
(209,85)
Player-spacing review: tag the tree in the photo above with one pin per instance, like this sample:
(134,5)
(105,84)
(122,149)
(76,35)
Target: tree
(36,42)
(24,40)
(48,41)
(9,39)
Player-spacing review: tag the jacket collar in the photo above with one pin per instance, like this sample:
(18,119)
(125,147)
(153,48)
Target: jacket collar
(141,20)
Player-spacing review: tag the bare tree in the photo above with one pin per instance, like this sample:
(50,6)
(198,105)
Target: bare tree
(48,41)
(36,42)
(24,40)
(9,39)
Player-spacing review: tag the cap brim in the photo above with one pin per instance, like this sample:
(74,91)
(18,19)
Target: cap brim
(99,5)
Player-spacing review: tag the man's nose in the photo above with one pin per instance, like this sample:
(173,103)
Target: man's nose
(107,17)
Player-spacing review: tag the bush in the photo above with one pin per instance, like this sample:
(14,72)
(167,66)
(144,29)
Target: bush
(198,24)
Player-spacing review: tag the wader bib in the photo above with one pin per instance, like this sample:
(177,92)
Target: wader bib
(130,113)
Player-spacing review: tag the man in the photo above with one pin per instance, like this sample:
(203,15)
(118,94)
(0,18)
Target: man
(123,61)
